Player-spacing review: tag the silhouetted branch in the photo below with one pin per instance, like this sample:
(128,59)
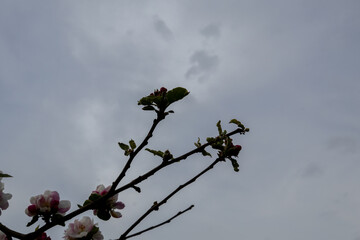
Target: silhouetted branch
(157,205)
(160,116)
(160,224)
(10,232)
(172,161)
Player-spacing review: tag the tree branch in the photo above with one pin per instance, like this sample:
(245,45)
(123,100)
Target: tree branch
(157,205)
(10,232)
(172,161)
(160,224)
(160,116)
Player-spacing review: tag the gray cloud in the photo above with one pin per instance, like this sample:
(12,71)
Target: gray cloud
(162,29)
(203,63)
(312,170)
(211,31)
(344,144)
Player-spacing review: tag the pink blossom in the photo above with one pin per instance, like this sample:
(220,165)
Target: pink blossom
(4,197)
(3,236)
(112,203)
(83,228)
(49,202)
(101,190)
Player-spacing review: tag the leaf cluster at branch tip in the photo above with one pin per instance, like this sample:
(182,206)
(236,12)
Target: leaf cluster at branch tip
(159,100)
(224,144)
(166,156)
(128,149)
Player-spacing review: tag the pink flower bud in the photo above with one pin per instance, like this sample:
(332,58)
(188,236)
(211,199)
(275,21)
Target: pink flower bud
(31,210)
(234,150)
(163,90)
(43,237)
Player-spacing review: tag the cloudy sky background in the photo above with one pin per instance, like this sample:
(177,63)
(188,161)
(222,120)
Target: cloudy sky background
(71,73)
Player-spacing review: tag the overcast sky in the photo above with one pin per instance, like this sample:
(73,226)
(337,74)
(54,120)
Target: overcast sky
(71,73)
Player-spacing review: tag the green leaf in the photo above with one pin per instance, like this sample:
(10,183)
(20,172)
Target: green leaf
(94,197)
(218,124)
(146,100)
(148,108)
(132,144)
(205,153)
(176,94)
(4,175)
(235,164)
(123,146)
(237,122)
(94,230)
(128,152)
(87,202)
(198,144)
(156,153)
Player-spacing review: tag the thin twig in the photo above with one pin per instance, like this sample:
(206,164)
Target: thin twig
(10,232)
(167,163)
(160,224)
(156,206)
(160,116)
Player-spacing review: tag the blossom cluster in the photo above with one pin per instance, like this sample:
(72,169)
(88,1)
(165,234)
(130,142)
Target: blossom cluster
(83,229)
(111,204)
(4,197)
(160,92)
(47,205)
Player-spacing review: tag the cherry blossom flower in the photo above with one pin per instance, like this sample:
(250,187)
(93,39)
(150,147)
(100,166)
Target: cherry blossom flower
(47,203)
(83,229)
(4,197)
(3,236)
(111,204)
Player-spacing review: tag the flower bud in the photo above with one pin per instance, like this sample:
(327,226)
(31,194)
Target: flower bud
(163,90)
(31,210)
(234,151)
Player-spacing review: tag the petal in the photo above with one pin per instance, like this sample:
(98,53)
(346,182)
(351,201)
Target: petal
(4,205)
(7,196)
(54,195)
(31,210)
(64,206)
(98,236)
(115,214)
(119,205)
(54,203)
(88,223)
